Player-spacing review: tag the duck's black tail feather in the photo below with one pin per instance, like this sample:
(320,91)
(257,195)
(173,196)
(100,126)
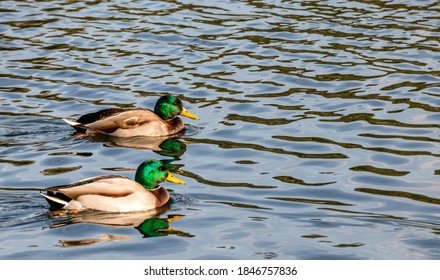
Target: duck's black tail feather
(56,200)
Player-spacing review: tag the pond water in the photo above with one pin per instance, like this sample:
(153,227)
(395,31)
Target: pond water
(318,137)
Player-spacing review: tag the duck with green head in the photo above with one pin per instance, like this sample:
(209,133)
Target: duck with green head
(135,122)
(115,193)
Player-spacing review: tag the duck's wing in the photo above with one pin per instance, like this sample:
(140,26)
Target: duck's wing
(81,124)
(126,119)
(107,186)
(102,114)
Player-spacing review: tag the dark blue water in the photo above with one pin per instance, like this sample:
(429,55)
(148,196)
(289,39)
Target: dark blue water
(319,134)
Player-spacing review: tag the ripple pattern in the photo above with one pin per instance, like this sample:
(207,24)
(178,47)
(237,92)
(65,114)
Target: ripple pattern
(319,122)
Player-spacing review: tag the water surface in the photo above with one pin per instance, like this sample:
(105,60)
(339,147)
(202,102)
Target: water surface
(319,134)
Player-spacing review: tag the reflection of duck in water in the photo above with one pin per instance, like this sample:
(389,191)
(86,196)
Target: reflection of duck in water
(135,122)
(164,146)
(92,241)
(115,193)
(147,223)
(160,227)
(108,219)
(172,148)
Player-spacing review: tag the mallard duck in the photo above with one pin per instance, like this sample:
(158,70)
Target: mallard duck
(115,193)
(135,122)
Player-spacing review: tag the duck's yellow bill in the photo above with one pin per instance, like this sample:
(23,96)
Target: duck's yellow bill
(188,114)
(174,179)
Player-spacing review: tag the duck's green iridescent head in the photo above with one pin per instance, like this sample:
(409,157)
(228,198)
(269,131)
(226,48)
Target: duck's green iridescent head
(168,107)
(153,172)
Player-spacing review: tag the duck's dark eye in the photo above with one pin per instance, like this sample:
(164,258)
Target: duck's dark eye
(161,168)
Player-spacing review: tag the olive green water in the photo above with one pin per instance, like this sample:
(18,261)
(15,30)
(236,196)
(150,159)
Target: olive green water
(319,134)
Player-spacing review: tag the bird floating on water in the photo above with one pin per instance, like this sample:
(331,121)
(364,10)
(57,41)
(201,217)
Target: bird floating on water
(115,193)
(121,122)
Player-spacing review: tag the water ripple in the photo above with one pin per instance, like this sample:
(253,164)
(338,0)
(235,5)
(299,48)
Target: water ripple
(319,124)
